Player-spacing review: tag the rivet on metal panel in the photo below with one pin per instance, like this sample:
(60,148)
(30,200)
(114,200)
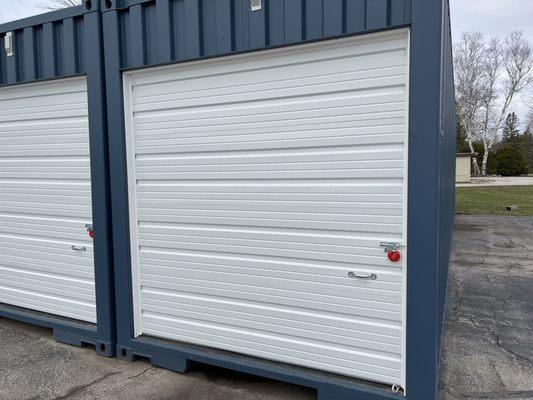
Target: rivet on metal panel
(8,44)
(256,5)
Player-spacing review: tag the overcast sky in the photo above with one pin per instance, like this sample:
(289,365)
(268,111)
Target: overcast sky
(491,17)
(11,10)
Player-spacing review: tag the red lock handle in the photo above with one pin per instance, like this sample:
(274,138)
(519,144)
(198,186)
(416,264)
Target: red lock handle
(393,255)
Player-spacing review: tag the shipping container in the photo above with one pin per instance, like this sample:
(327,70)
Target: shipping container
(55,222)
(282,186)
(280,183)
(283,190)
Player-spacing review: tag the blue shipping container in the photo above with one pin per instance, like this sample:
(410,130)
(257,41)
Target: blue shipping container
(268,157)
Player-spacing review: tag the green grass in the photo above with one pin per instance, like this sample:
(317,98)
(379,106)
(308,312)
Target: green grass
(493,200)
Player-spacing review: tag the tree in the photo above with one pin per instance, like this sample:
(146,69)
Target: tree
(59,4)
(511,162)
(491,158)
(462,143)
(528,134)
(511,129)
(525,144)
(489,75)
(468,60)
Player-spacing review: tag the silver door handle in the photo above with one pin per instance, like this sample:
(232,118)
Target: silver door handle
(78,248)
(353,275)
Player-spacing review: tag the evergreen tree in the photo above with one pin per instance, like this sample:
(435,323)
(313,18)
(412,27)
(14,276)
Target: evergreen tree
(511,162)
(527,136)
(462,144)
(511,131)
(526,145)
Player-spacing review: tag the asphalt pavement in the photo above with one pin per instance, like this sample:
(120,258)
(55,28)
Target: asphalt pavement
(487,346)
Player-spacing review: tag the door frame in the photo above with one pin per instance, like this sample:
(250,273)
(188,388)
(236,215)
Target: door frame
(127,78)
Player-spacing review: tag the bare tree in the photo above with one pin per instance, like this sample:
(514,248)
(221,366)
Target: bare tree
(59,4)
(468,66)
(489,75)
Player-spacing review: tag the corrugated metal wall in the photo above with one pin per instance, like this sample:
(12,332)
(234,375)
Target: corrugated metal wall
(48,46)
(447,162)
(431,191)
(173,30)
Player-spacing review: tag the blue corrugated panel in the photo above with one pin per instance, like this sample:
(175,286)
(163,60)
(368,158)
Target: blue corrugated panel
(431,191)
(47,46)
(447,164)
(178,30)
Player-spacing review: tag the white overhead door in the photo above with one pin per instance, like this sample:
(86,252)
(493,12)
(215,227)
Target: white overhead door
(46,254)
(261,188)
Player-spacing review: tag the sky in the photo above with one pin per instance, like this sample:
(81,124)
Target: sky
(490,17)
(495,18)
(11,10)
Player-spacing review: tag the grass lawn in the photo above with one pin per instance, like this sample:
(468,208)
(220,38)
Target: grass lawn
(494,199)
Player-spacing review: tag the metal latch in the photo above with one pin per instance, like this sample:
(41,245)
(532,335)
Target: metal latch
(8,44)
(90,229)
(390,246)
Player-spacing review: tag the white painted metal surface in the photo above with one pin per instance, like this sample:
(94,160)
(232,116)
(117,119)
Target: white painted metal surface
(45,199)
(257,183)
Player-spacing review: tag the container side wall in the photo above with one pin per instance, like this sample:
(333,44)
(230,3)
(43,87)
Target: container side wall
(431,192)
(177,30)
(447,163)
(424,200)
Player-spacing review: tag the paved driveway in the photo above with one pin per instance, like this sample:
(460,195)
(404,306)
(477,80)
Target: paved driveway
(487,354)
(499,181)
(488,340)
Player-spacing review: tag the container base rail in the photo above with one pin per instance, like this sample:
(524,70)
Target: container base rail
(179,357)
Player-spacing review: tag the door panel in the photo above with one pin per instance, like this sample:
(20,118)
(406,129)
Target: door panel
(257,184)
(46,254)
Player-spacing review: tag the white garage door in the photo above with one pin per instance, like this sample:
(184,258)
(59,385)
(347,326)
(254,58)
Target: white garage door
(46,256)
(258,182)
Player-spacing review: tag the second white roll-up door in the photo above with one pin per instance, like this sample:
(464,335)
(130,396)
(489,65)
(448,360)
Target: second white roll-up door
(46,256)
(261,189)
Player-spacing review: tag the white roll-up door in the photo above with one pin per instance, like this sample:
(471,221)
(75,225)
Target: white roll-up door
(46,254)
(261,188)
